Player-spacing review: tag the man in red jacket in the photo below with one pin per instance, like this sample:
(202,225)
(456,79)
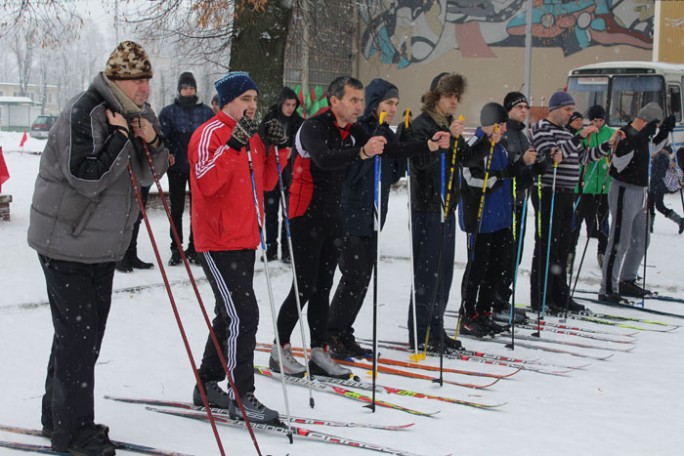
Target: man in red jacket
(226,159)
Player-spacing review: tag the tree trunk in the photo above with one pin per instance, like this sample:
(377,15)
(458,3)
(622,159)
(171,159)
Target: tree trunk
(258,47)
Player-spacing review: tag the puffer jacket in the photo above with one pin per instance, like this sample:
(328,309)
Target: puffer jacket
(178,123)
(84,205)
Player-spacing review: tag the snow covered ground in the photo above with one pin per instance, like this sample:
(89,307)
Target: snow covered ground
(630,404)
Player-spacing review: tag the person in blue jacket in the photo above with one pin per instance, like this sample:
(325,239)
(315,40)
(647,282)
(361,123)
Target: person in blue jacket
(358,249)
(179,121)
(487,225)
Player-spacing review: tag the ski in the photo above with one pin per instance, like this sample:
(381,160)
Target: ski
(612,317)
(297,351)
(338,390)
(528,365)
(634,305)
(654,295)
(30,447)
(618,324)
(123,446)
(536,346)
(283,429)
(551,324)
(291,419)
(542,329)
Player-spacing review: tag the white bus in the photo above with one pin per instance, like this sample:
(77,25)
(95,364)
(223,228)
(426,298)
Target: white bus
(623,88)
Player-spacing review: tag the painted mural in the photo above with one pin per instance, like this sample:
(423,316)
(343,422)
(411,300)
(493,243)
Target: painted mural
(404,32)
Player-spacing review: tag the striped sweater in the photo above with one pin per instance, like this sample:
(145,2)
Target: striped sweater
(547,135)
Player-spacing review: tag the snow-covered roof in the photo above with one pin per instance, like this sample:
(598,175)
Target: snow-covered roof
(15,100)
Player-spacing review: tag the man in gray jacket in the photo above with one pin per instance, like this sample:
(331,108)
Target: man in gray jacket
(82,215)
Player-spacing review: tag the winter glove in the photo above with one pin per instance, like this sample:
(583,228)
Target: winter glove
(274,132)
(244,129)
(668,124)
(406,133)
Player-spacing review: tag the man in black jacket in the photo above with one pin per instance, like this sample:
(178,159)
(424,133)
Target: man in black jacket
(433,219)
(627,200)
(285,111)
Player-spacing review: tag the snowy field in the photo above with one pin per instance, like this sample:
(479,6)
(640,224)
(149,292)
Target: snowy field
(630,404)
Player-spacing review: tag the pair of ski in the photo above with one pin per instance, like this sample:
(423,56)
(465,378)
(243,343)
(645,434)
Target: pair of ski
(332,385)
(625,303)
(46,449)
(531,365)
(653,295)
(221,416)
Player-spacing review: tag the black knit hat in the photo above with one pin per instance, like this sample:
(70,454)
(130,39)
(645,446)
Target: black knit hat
(512,99)
(187,79)
(575,115)
(492,113)
(596,112)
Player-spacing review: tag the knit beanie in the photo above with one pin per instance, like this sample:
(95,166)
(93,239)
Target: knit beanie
(560,99)
(651,112)
(128,61)
(232,86)
(575,115)
(512,99)
(492,113)
(392,92)
(596,112)
(187,79)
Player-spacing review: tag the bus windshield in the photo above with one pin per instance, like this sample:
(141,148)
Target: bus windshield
(628,94)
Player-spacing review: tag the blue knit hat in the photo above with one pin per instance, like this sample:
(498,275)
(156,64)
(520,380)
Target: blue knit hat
(560,99)
(232,86)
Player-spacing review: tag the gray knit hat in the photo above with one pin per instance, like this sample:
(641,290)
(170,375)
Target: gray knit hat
(128,61)
(651,112)
(560,99)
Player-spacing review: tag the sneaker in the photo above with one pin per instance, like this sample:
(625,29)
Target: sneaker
(472,326)
(338,348)
(175,259)
(215,396)
(613,297)
(599,258)
(256,411)
(321,363)
(630,288)
(91,441)
(291,366)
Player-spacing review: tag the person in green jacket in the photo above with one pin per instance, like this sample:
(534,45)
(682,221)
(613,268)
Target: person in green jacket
(592,190)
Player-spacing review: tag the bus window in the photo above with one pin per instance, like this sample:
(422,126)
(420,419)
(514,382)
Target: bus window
(674,101)
(630,93)
(588,91)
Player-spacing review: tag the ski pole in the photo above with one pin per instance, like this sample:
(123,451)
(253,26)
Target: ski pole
(523,215)
(416,356)
(539,255)
(286,221)
(198,296)
(648,217)
(268,284)
(377,210)
(549,237)
(179,322)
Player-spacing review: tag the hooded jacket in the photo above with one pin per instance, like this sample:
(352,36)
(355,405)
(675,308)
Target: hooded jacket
(178,123)
(84,205)
(290,124)
(595,173)
(358,193)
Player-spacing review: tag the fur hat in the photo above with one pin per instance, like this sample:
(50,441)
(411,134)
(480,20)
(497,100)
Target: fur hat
(560,99)
(512,99)
(651,112)
(128,61)
(596,112)
(232,86)
(187,79)
(492,113)
(448,84)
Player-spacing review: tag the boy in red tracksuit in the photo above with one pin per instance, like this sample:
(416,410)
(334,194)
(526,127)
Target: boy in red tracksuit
(226,232)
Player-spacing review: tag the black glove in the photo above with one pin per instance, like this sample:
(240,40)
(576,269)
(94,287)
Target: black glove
(650,129)
(383,130)
(244,129)
(406,133)
(274,132)
(668,124)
